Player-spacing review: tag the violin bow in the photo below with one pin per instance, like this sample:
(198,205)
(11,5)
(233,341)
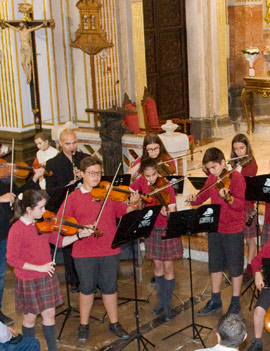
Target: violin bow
(106,198)
(178,157)
(227,161)
(12,170)
(166,186)
(60,226)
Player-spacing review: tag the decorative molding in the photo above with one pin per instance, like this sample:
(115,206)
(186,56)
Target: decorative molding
(244,2)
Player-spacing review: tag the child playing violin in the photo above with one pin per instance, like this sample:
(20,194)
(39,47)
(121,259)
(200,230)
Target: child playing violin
(37,287)
(153,147)
(162,252)
(96,263)
(263,301)
(226,247)
(241,147)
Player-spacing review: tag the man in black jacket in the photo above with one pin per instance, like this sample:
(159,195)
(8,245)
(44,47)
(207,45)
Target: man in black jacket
(65,175)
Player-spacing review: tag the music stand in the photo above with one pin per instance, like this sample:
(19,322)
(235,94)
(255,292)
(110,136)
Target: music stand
(203,219)
(257,189)
(132,226)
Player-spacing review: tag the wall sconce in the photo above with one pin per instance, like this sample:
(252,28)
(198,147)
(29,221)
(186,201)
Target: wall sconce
(90,37)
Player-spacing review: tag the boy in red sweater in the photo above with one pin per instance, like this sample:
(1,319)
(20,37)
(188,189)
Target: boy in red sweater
(226,247)
(263,301)
(96,263)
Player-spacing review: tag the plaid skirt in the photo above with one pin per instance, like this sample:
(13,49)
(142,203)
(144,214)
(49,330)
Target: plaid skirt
(162,250)
(265,234)
(250,232)
(37,295)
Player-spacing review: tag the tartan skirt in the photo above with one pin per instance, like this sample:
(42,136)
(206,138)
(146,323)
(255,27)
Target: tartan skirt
(265,234)
(37,295)
(250,232)
(162,250)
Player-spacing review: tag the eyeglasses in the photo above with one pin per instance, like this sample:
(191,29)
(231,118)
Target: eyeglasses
(152,149)
(93,174)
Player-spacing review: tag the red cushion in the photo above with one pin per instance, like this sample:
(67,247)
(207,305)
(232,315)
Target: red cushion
(131,121)
(151,112)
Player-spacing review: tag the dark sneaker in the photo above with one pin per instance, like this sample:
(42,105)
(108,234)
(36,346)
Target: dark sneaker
(158,309)
(83,333)
(168,315)
(247,276)
(210,308)
(234,308)
(5,319)
(255,346)
(153,281)
(74,289)
(117,329)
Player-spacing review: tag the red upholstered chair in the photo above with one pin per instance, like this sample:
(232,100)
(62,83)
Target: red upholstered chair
(153,125)
(131,121)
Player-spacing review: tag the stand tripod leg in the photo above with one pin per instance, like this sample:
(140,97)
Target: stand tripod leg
(193,325)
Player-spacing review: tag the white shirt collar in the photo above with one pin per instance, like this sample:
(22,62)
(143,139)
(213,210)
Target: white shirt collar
(84,191)
(25,221)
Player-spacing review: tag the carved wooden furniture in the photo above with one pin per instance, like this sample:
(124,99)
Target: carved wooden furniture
(153,125)
(111,131)
(254,85)
(131,120)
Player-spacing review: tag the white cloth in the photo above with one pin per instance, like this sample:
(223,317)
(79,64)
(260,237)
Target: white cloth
(5,334)
(218,347)
(43,157)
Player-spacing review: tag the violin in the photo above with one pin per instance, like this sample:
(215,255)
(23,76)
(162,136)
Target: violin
(117,193)
(21,170)
(164,167)
(50,223)
(158,190)
(267,320)
(224,182)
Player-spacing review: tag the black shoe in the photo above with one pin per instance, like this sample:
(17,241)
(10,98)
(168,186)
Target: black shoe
(5,319)
(158,309)
(210,308)
(74,289)
(153,281)
(255,346)
(83,333)
(117,329)
(234,308)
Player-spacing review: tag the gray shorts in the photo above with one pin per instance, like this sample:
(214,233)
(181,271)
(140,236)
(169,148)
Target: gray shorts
(226,252)
(264,299)
(98,273)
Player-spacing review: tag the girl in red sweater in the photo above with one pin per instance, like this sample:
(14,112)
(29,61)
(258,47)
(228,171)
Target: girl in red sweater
(37,287)
(154,148)
(241,147)
(162,252)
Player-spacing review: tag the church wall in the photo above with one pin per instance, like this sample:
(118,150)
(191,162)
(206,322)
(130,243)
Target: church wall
(247,28)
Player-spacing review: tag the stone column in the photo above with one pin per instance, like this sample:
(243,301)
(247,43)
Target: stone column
(207,63)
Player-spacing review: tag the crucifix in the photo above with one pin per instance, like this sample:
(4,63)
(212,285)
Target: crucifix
(26,28)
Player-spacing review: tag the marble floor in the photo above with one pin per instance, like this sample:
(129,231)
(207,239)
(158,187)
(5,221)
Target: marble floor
(154,329)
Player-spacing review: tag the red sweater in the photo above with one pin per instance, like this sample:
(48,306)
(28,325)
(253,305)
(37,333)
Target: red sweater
(142,185)
(250,171)
(256,263)
(232,216)
(26,245)
(85,209)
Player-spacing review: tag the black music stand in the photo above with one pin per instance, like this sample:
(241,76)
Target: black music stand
(132,226)
(258,189)
(203,219)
